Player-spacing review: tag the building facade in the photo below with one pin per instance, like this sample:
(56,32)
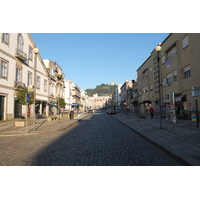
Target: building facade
(68,95)
(126,95)
(76,96)
(116,96)
(56,80)
(179,72)
(20,68)
(84,101)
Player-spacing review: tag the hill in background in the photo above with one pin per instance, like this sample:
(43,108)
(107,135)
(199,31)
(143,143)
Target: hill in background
(102,90)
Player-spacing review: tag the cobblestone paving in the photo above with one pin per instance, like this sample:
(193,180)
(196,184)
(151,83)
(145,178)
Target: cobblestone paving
(98,140)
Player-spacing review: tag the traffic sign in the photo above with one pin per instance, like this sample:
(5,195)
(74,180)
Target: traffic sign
(28,96)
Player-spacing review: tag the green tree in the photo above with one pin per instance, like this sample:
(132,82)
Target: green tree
(61,102)
(21,95)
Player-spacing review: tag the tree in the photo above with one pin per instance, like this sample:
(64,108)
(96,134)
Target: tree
(61,102)
(21,95)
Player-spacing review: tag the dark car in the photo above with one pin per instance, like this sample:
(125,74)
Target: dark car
(111,112)
(90,111)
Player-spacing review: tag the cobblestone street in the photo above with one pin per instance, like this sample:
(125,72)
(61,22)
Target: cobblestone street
(98,140)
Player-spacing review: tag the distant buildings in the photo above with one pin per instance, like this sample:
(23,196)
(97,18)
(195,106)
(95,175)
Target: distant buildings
(96,102)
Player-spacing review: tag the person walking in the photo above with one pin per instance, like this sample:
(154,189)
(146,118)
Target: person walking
(71,114)
(151,111)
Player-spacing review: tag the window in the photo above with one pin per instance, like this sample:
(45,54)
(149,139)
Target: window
(144,89)
(169,78)
(144,73)
(18,75)
(175,75)
(187,72)
(163,59)
(29,78)
(38,82)
(171,52)
(5,38)
(150,69)
(51,89)
(30,54)
(3,69)
(185,42)
(164,81)
(52,71)
(168,63)
(20,42)
(45,85)
(151,87)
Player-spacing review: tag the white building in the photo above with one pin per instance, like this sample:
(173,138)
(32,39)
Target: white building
(56,85)
(18,69)
(68,94)
(118,95)
(76,96)
(21,67)
(84,100)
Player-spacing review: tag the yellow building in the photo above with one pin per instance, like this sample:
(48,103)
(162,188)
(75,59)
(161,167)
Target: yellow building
(179,72)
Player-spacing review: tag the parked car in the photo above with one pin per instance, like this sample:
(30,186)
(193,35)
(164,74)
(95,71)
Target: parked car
(108,111)
(90,111)
(111,112)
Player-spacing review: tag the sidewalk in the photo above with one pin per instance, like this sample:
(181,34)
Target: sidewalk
(181,140)
(42,125)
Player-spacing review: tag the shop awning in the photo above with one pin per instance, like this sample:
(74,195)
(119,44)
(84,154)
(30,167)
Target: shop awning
(181,98)
(147,101)
(75,104)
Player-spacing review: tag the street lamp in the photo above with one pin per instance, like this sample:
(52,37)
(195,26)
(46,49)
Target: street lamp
(138,104)
(36,51)
(158,49)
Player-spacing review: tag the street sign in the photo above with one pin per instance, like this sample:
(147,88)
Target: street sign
(28,96)
(196,93)
(195,88)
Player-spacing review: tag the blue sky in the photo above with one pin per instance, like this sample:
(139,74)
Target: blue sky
(90,59)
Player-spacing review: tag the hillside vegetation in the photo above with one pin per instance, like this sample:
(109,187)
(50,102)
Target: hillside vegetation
(102,90)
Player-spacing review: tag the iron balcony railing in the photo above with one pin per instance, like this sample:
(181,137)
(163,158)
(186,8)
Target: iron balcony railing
(19,84)
(21,55)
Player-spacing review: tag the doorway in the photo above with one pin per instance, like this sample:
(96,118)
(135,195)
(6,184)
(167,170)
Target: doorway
(17,109)
(2,107)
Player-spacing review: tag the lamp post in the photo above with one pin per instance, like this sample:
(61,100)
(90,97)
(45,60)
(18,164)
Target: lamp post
(138,104)
(158,49)
(36,51)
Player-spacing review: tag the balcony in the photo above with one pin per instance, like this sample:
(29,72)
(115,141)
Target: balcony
(21,55)
(19,85)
